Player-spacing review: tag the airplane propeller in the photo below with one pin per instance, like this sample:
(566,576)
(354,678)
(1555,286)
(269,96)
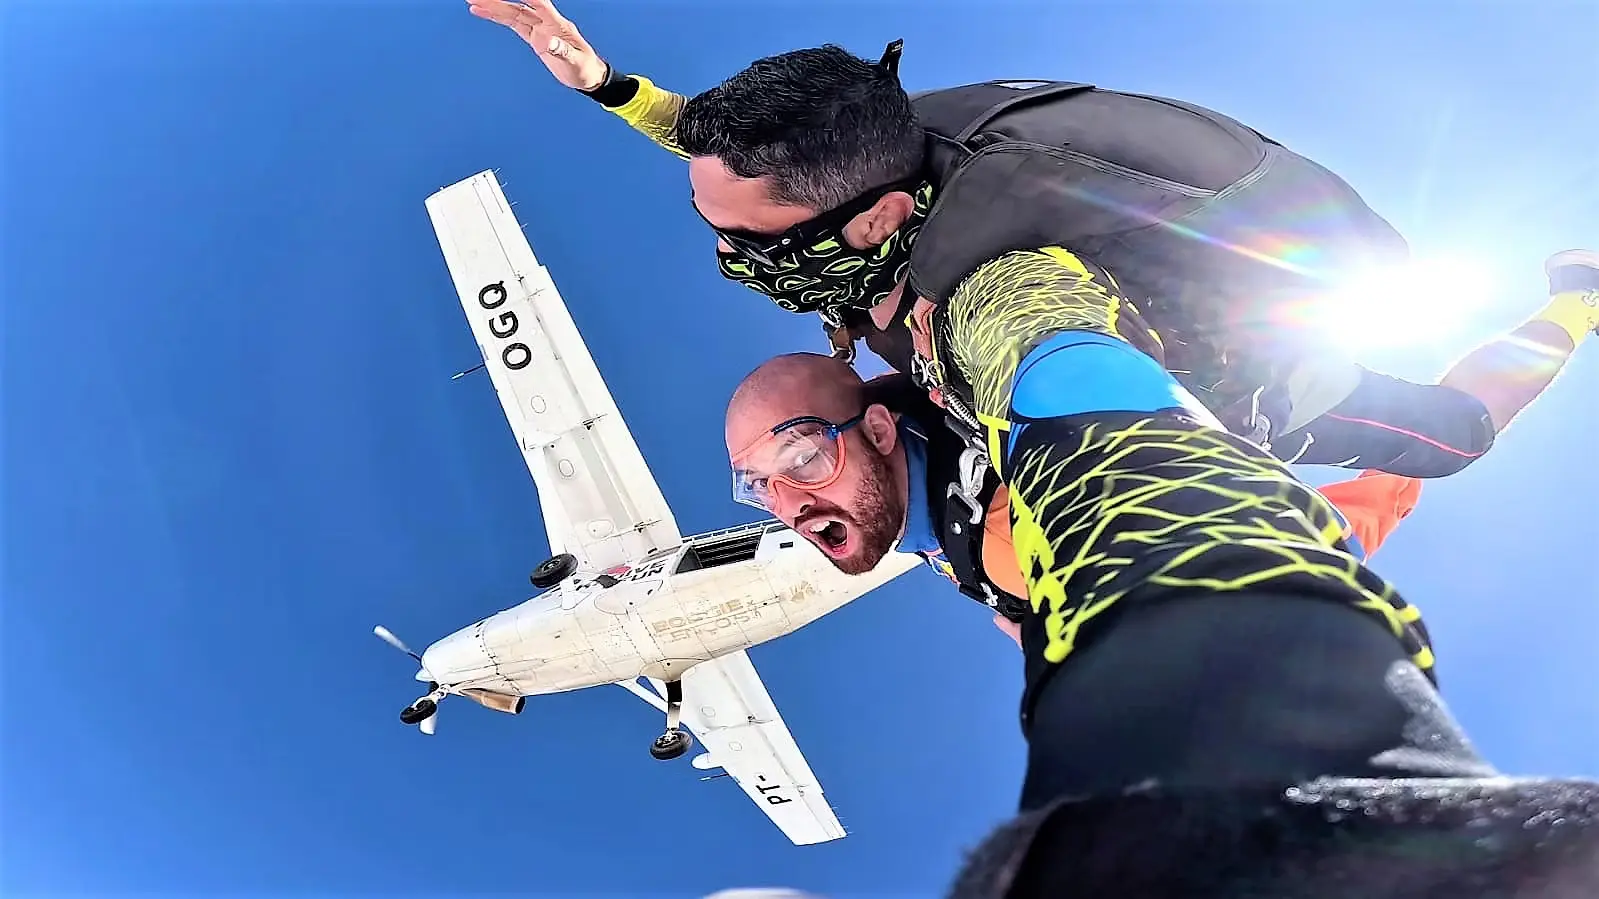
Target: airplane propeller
(425,711)
(387,636)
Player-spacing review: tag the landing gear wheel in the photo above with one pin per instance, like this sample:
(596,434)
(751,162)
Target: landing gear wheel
(553,570)
(419,711)
(671,745)
(674,742)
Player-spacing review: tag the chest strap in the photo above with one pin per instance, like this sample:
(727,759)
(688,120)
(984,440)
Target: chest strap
(962,528)
(965,506)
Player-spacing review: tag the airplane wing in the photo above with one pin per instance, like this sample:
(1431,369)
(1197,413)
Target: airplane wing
(599,500)
(727,707)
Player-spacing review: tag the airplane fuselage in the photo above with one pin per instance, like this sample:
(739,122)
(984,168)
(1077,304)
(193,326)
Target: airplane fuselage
(716,594)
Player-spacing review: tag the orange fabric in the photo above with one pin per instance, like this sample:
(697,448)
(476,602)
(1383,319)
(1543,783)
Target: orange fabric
(999,555)
(1374,504)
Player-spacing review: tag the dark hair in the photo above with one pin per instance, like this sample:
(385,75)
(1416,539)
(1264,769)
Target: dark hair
(826,125)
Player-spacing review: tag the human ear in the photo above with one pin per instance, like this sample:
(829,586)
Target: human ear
(879,427)
(875,225)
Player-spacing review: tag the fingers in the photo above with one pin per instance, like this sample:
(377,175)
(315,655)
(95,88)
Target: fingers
(1009,628)
(518,16)
(512,15)
(554,39)
(546,11)
(538,23)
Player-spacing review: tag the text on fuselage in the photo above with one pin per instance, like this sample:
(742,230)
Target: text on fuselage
(705,622)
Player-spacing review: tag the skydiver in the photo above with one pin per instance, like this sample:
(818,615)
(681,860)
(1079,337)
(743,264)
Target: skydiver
(819,176)
(892,487)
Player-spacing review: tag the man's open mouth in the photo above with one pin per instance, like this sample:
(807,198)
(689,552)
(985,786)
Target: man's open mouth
(829,534)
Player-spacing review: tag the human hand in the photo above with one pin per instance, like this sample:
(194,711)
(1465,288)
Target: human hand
(1009,628)
(558,43)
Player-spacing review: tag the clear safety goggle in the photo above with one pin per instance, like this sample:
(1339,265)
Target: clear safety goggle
(806,453)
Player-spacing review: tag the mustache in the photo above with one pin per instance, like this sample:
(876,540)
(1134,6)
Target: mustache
(813,514)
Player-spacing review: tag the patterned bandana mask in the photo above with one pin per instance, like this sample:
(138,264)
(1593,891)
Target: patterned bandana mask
(829,275)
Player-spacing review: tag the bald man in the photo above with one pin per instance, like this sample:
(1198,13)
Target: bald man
(786,415)
(1261,743)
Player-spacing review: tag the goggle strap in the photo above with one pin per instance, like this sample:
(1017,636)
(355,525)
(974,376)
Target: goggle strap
(888,63)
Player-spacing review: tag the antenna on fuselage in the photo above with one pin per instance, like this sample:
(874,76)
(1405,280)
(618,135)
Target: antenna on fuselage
(461,374)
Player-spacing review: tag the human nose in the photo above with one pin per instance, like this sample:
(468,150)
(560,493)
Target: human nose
(787,502)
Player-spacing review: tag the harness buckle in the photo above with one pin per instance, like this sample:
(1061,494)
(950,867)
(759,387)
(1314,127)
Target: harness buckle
(973,510)
(1245,418)
(973,465)
(927,373)
(842,342)
(983,594)
(1259,425)
(1261,436)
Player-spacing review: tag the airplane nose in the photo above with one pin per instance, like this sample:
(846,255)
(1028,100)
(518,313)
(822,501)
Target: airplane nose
(456,659)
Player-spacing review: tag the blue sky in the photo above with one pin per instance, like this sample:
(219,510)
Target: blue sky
(231,445)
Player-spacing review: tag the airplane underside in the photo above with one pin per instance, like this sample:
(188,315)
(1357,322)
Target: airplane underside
(719,593)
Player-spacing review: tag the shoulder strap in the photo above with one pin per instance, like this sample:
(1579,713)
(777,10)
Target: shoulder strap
(965,502)
(1021,97)
(960,485)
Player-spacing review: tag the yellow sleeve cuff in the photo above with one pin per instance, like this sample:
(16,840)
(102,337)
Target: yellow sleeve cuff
(1574,312)
(653,111)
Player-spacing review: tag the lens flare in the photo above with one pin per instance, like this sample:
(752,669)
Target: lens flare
(1426,301)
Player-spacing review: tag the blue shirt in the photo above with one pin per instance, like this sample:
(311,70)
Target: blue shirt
(921,536)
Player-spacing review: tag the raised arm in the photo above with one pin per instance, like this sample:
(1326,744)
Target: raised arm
(574,63)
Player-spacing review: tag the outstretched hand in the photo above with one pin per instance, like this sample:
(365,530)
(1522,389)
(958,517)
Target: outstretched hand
(558,43)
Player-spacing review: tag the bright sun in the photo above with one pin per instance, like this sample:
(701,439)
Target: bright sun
(1425,301)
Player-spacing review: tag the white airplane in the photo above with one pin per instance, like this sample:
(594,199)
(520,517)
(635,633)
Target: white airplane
(626,596)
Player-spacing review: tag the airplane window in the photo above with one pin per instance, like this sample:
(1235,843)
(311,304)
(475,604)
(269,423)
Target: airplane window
(729,550)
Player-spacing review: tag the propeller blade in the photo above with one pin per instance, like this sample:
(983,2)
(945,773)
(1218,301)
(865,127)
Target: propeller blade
(387,636)
(429,724)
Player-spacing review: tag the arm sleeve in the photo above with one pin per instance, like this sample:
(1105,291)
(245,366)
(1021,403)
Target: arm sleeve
(1123,487)
(646,108)
(1009,306)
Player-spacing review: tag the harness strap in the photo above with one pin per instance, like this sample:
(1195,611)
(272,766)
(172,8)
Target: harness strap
(962,539)
(962,531)
(842,340)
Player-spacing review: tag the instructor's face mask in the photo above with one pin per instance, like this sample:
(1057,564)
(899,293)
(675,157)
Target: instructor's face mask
(812,268)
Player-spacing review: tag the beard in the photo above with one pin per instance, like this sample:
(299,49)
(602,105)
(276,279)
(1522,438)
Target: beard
(875,515)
